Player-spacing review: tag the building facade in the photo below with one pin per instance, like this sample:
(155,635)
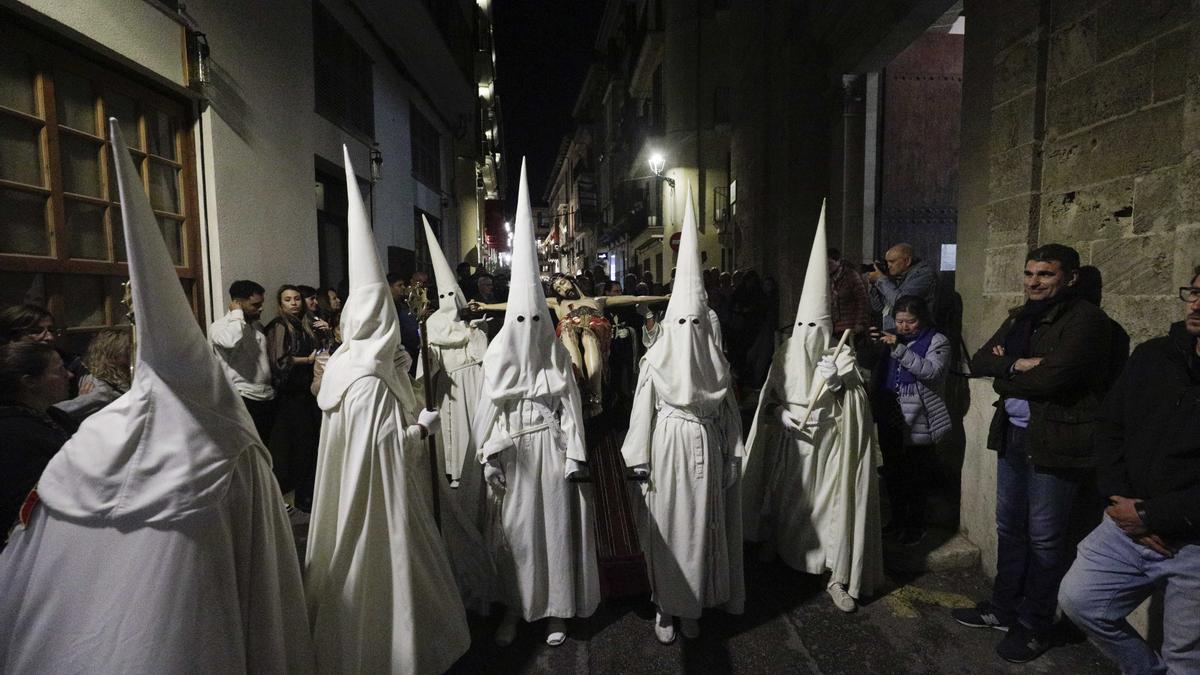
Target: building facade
(239,111)
(652,120)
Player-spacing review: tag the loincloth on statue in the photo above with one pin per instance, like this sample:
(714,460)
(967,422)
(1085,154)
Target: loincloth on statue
(582,319)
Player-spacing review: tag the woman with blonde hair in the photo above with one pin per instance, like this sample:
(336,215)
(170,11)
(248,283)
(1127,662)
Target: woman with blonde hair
(107,361)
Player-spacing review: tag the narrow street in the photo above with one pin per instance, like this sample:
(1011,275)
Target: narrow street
(790,626)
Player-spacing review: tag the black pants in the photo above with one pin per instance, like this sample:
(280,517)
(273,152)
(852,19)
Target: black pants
(905,469)
(263,414)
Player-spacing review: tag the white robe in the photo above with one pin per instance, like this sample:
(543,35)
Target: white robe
(381,593)
(218,591)
(816,494)
(457,380)
(691,529)
(542,538)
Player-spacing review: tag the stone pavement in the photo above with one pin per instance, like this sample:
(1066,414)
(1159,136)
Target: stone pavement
(790,626)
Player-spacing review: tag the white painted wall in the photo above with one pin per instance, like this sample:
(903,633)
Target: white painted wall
(257,139)
(131,28)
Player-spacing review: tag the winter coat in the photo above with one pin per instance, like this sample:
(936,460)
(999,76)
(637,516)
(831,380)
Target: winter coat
(28,439)
(920,280)
(926,420)
(1064,391)
(1149,434)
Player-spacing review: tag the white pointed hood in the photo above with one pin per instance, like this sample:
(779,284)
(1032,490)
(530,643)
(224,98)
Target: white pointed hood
(370,327)
(686,361)
(813,331)
(444,327)
(167,448)
(525,360)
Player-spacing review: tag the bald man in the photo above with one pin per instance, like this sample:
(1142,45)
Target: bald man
(906,275)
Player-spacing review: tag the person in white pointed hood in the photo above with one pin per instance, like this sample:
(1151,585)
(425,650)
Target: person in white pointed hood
(529,433)
(456,349)
(685,435)
(810,489)
(381,592)
(156,539)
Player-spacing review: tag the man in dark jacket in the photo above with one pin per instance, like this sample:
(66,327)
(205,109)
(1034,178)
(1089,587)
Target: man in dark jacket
(1048,361)
(1149,441)
(905,275)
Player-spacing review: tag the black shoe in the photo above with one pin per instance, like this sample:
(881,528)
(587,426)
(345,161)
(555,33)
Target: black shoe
(982,615)
(1022,644)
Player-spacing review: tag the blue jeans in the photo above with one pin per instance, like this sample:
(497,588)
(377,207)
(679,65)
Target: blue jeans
(1111,576)
(1033,512)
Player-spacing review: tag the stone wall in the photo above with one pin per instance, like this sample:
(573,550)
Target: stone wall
(1081,125)
(1093,140)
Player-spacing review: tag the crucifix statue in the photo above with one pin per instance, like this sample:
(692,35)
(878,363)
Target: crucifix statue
(584,330)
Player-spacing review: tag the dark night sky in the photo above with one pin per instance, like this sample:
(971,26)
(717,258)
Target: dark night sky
(543,48)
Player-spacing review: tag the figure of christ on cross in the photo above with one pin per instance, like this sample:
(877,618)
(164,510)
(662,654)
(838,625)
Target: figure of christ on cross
(584,330)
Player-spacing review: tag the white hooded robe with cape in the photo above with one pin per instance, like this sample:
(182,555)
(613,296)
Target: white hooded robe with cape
(530,418)
(160,543)
(456,350)
(685,426)
(815,493)
(381,594)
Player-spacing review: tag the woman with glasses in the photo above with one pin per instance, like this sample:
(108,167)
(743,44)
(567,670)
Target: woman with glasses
(27,323)
(33,323)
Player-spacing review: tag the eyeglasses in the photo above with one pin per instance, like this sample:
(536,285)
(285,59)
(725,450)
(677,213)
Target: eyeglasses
(51,331)
(1189,294)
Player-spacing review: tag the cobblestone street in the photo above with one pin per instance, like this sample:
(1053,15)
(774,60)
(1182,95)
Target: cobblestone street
(790,626)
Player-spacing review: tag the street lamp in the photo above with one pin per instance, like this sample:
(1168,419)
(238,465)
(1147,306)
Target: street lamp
(657,164)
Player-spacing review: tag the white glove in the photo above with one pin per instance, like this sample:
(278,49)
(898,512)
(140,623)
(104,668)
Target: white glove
(431,420)
(789,421)
(644,310)
(827,369)
(641,470)
(733,471)
(493,473)
(481,324)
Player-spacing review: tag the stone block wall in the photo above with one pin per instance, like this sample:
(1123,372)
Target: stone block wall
(1081,125)
(1093,140)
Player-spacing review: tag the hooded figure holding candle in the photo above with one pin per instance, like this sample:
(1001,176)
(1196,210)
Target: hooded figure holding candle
(810,487)
(685,437)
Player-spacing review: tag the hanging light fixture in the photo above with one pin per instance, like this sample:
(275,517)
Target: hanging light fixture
(199,67)
(376,164)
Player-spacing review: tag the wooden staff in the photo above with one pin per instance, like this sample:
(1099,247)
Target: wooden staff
(434,471)
(812,400)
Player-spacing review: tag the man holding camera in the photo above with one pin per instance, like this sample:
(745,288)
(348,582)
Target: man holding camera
(904,275)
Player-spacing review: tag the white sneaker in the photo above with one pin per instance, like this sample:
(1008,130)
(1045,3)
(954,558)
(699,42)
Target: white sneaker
(507,632)
(556,632)
(690,628)
(841,599)
(664,628)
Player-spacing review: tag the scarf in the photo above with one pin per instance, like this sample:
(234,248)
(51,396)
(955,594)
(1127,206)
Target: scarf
(897,377)
(1020,336)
